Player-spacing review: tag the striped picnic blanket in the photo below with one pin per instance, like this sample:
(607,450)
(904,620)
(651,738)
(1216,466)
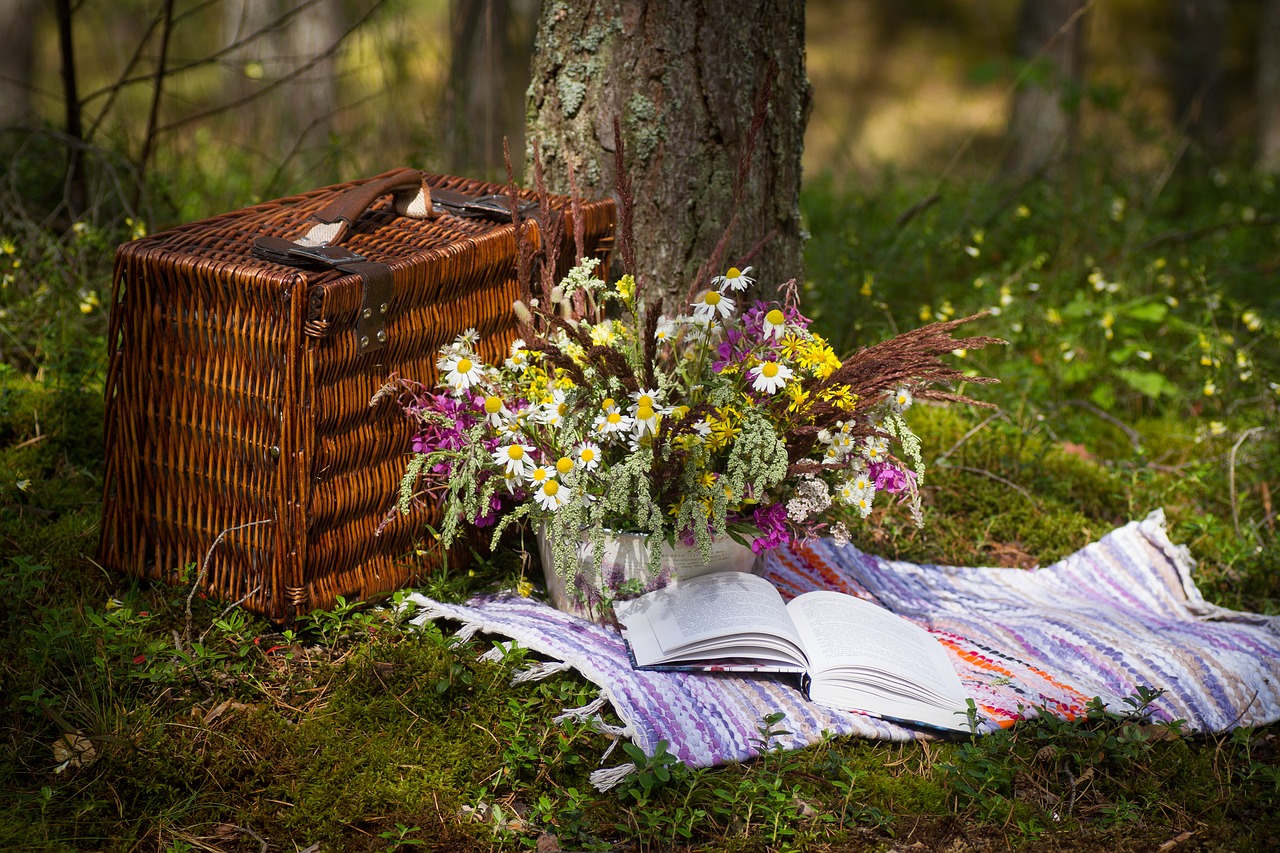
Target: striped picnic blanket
(1120,613)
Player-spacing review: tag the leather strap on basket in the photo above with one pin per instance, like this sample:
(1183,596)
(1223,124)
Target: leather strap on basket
(412,198)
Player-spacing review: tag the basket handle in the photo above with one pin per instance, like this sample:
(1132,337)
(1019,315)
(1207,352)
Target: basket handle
(329,225)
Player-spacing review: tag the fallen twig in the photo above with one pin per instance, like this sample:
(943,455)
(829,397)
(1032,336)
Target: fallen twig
(968,435)
(984,472)
(204,571)
(1231,477)
(1132,434)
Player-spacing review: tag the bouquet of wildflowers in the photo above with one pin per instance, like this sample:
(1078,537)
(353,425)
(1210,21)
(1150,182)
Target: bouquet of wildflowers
(725,420)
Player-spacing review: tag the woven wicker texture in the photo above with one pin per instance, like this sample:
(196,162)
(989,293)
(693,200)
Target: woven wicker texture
(236,393)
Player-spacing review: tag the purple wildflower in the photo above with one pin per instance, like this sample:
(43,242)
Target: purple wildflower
(890,478)
(771,521)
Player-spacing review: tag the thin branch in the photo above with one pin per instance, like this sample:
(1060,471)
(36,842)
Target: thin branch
(154,114)
(210,59)
(204,571)
(232,606)
(985,473)
(275,84)
(1231,477)
(968,435)
(1134,438)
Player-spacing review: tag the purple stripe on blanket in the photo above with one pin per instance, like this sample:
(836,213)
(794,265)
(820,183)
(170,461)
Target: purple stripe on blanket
(1120,613)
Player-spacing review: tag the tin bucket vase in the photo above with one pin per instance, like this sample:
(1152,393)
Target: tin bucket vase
(625,573)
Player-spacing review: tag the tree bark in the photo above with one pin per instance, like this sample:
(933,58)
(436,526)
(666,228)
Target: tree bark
(1044,119)
(17,39)
(1200,30)
(1269,87)
(680,77)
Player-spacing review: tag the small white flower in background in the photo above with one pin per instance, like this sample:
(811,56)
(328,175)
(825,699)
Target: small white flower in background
(770,376)
(875,448)
(710,303)
(1210,389)
(901,400)
(23,485)
(839,534)
(589,456)
(665,331)
(467,339)
(462,372)
(549,496)
(1217,428)
(553,409)
(1251,320)
(735,279)
(863,502)
(519,357)
(1143,354)
(515,458)
(861,482)
(775,324)
(702,428)
(1118,205)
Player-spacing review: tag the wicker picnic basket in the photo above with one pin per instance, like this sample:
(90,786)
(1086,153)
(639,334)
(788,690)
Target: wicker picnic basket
(245,351)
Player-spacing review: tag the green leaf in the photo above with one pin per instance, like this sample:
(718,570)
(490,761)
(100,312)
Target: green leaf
(1103,395)
(1147,382)
(1146,312)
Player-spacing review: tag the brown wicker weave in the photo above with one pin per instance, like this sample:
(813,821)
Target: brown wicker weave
(238,393)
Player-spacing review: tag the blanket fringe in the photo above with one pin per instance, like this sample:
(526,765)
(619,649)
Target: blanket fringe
(465,634)
(539,671)
(498,652)
(584,713)
(610,777)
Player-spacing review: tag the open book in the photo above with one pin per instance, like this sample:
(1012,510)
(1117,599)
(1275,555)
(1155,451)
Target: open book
(854,655)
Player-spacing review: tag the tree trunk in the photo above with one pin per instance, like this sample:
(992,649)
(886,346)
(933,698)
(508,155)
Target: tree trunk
(1269,87)
(680,77)
(17,39)
(286,38)
(491,48)
(1200,29)
(1044,120)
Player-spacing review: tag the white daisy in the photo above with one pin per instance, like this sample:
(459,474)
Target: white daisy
(647,397)
(769,376)
(734,279)
(550,496)
(496,412)
(901,399)
(775,323)
(519,358)
(540,474)
(589,456)
(467,339)
(613,423)
(645,419)
(665,331)
(553,408)
(515,458)
(564,465)
(710,303)
(863,502)
(875,448)
(462,372)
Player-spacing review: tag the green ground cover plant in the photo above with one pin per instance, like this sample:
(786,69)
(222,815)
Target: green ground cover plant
(125,729)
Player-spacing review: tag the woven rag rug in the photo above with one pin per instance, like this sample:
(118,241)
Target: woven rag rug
(1120,613)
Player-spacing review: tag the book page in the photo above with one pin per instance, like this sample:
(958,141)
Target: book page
(729,614)
(875,653)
